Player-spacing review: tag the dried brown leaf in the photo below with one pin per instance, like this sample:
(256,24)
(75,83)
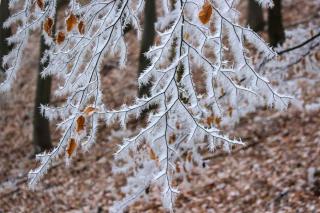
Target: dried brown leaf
(153,155)
(60,37)
(80,123)
(205,13)
(40,4)
(81,27)
(72,145)
(71,22)
(89,110)
(47,26)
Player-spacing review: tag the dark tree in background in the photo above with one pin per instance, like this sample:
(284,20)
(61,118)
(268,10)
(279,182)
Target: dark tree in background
(255,16)
(41,127)
(147,41)
(275,24)
(4,33)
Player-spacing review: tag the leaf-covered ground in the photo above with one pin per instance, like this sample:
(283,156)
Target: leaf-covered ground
(277,171)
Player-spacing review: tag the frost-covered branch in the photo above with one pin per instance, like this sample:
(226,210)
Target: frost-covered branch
(201,72)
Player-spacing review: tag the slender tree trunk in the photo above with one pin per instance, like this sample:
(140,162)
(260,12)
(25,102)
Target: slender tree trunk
(147,41)
(255,16)
(41,126)
(5,33)
(275,25)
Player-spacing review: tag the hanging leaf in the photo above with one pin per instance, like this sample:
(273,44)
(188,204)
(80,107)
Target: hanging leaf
(60,37)
(212,119)
(72,145)
(153,155)
(230,111)
(178,170)
(40,4)
(81,27)
(80,123)
(205,13)
(71,22)
(88,111)
(172,138)
(47,26)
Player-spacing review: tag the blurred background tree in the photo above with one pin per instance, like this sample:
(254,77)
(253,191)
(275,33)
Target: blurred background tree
(275,23)
(255,16)
(147,41)
(5,33)
(41,125)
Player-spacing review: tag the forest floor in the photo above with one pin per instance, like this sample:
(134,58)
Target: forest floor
(278,170)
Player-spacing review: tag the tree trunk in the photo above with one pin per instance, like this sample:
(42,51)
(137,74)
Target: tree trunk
(5,33)
(147,42)
(255,16)
(275,25)
(41,126)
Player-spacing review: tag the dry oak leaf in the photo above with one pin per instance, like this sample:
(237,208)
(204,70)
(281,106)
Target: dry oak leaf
(40,4)
(47,26)
(172,138)
(81,27)
(89,110)
(153,155)
(178,170)
(72,145)
(71,22)
(213,120)
(205,13)
(80,123)
(60,37)
(230,111)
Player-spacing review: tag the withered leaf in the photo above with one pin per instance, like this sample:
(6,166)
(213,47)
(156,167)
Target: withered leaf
(71,22)
(172,138)
(40,4)
(205,13)
(230,111)
(80,123)
(47,26)
(72,145)
(152,155)
(81,27)
(89,110)
(60,37)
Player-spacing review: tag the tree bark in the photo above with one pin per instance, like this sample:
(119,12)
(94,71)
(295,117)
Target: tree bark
(5,33)
(255,16)
(41,126)
(146,42)
(275,25)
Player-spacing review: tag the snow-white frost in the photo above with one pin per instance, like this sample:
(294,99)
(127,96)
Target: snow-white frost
(189,111)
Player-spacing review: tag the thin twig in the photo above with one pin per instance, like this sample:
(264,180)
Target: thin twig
(299,45)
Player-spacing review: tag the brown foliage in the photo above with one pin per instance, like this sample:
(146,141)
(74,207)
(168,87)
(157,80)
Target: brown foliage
(72,145)
(40,4)
(205,13)
(89,110)
(153,155)
(81,27)
(60,37)
(80,123)
(47,26)
(71,22)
